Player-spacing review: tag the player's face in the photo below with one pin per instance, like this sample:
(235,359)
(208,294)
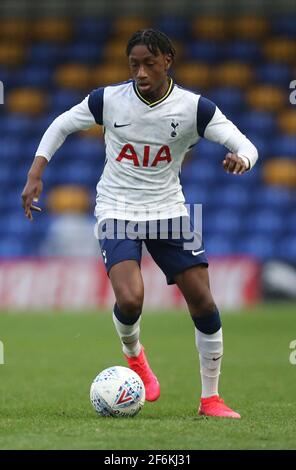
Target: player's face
(149,71)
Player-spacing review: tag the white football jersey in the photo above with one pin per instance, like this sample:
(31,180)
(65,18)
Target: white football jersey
(145,146)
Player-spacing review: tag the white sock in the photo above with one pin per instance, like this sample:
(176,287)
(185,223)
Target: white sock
(210,349)
(129,336)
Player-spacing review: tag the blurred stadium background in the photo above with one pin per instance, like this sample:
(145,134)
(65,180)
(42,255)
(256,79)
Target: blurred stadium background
(242,55)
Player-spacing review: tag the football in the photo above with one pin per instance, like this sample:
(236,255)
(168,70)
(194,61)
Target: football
(117,391)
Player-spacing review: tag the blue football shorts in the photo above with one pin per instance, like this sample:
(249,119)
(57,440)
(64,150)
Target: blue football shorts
(172,243)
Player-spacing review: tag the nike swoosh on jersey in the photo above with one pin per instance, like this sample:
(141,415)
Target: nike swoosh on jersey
(121,125)
(195,253)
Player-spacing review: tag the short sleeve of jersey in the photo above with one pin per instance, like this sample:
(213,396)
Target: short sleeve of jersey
(96,104)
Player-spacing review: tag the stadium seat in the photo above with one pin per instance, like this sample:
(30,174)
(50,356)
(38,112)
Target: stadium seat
(53,30)
(124,27)
(30,101)
(284,26)
(244,51)
(258,246)
(276,198)
(249,27)
(287,122)
(202,51)
(193,75)
(236,74)
(68,199)
(93,29)
(218,245)
(261,123)
(232,196)
(115,51)
(280,49)
(83,52)
(12,54)
(210,27)
(175,27)
(224,221)
(264,222)
(34,76)
(109,73)
(15,29)
(228,99)
(74,76)
(61,100)
(286,249)
(274,73)
(44,53)
(284,145)
(266,98)
(280,172)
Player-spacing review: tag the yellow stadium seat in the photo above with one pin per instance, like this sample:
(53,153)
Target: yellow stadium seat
(75,76)
(115,50)
(235,74)
(96,132)
(109,73)
(15,29)
(193,75)
(210,27)
(12,54)
(280,172)
(124,27)
(249,27)
(31,101)
(266,98)
(280,49)
(68,198)
(55,30)
(287,122)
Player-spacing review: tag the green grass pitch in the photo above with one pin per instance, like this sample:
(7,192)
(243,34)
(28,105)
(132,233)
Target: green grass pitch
(51,359)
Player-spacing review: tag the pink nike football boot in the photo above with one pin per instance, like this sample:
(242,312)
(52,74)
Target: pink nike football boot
(141,366)
(215,406)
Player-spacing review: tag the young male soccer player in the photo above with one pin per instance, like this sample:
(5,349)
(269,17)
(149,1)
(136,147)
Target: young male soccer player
(150,123)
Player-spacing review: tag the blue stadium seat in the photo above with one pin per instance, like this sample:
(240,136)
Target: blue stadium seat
(258,122)
(259,246)
(274,73)
(283,145)
(274,198)
(44,53)
(34,76)
(228,99)
(284,26)
(62,100)
(223,221)
(246,51)
(198,172)
(286,249)
(194,194)
(176,27)
(204,51)
(97,30)
(261,142)
(83,52)
(230,196)
(218,245)
(12,247)
(16,125)
(264,222)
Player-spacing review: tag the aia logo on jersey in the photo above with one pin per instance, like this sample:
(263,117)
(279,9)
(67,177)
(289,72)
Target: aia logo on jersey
(129,153)
(123,397)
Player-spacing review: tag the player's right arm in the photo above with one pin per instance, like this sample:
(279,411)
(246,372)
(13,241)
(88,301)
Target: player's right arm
(81,117)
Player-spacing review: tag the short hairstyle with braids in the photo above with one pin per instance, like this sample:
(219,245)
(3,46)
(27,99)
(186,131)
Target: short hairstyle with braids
(154,40)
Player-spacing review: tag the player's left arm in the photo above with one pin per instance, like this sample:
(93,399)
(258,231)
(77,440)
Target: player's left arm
(214,126)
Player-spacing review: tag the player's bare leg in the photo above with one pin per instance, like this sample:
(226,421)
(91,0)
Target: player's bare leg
(194,285)
(127,283)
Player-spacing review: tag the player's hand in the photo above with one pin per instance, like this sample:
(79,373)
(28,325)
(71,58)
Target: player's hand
(31,194)
(234,164)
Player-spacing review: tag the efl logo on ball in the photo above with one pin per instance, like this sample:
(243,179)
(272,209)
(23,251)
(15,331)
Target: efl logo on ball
(117,391)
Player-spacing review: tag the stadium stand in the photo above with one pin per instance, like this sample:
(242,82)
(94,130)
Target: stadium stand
(49,65)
